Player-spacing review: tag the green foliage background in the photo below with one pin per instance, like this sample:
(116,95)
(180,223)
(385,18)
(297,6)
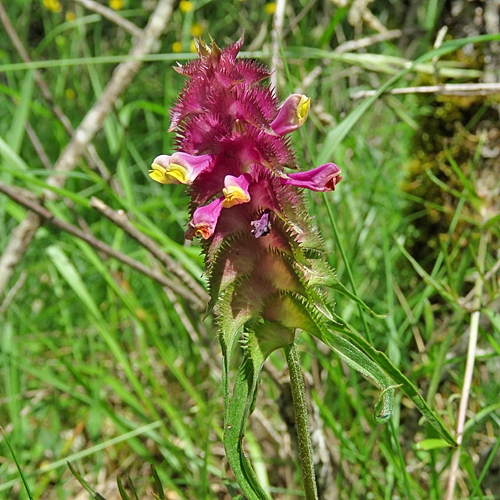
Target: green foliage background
(101,367)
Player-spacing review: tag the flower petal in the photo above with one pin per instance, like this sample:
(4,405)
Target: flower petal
(180,168)
(323,178)
(204,220)
(236,190)
(292,114)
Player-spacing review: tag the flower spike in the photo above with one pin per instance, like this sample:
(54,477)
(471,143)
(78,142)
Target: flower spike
(292,115)
(180,168)
(323,178)
(264,258)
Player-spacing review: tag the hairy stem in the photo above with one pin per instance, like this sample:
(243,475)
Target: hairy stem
(302,422)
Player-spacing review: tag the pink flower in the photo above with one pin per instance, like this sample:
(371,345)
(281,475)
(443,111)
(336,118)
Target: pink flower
(323,178)
(292,115)
(180,168)
(236,190)
(204,220)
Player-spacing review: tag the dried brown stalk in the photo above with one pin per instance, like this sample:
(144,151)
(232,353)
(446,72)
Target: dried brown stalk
(45,214)
(124,73)
(111,15)
(121,220)
(444,89)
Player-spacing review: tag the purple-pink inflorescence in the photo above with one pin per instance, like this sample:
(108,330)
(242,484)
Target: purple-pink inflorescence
(262,252)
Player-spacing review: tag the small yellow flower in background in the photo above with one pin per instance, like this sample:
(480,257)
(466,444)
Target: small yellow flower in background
(186,6)
(270,8)
(116,4)
(70,16)
(193,47)
(196,29)
(52,5)
(177,47)
(70,94)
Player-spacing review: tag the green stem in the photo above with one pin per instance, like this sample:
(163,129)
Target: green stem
(336,234)
(302,422)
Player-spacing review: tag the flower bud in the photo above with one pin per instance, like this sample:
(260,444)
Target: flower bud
(204,220)
(323,178)
(292,114)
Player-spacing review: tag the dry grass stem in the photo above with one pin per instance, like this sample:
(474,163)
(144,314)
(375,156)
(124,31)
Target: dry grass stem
(91,123)
(444,89)
(469,369)
(42,213)
(121,220)
(361,43)
(278,20)
(113,16)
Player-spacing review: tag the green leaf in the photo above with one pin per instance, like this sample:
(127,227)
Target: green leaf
(335,284)
(259,344)
(121,489)
(23,478)
(432,444)
(18,123)
(158,484)
(358,360)
(235,415)
(395,374)
(92,492)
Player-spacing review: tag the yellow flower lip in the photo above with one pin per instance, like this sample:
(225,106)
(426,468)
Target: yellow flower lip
(175,174)
(235,190)
(234,195)
(158,173)
(303,108)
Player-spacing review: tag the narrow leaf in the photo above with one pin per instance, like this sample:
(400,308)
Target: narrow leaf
(432,444)
(339,287)
(358,360)
(158,484)
(236,413)
(121,489)
(25,483)
(78,476)
(395,374)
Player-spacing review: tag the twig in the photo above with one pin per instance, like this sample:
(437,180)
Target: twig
(206,356)
(91,153)
(40,151)
(42,212)
(92,122)
(112,16)
(445,89)
(293,24)
(367,41)
(121,220)
(469,369)
(12,292)
(276,36)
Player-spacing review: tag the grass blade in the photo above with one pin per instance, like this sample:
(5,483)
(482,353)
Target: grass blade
(23,478)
